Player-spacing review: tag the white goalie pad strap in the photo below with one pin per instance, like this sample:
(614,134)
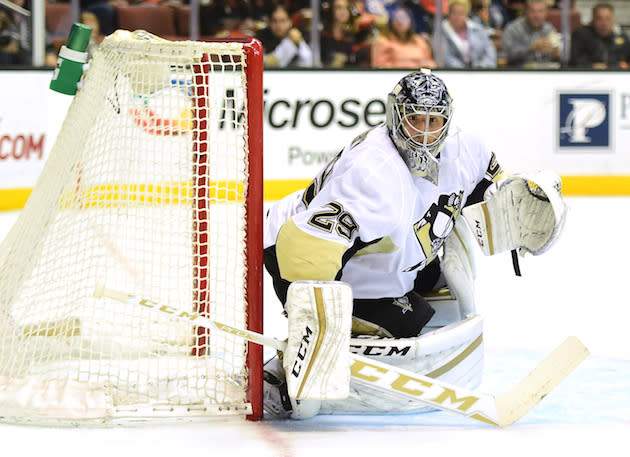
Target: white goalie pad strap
(317,359)
(458,267)
(525,212)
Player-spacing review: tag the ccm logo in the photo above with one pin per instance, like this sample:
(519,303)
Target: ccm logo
(410,385)
(380,350)
(302,350)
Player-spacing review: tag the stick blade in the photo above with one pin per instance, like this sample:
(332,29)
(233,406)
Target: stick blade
(513,405)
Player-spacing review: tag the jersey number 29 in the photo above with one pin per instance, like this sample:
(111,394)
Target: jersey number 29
(335,218)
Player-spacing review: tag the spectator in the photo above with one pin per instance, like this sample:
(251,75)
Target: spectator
(466,43)
(237,28)
(558,4)
(221,15)
(96,38)
(246,28)
(431,6)
(283,44)
(514,9)
(423,14)
(340,37)
(598,45)
(14,45)
(370,15)
(381,9)
(490,17)
(497,14)
(260,11)
(530,41)
(479,12)
(15,39)
(489,13)
(105,12)
(399,46)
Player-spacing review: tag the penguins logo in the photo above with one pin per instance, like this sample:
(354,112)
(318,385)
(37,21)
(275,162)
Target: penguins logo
(435,225)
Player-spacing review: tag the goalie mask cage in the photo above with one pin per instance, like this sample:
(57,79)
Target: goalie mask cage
(153,187)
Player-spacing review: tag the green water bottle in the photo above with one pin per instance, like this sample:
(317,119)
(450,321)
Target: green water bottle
(71,59)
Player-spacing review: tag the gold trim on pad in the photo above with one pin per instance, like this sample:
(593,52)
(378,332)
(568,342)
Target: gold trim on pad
(321,320)
(457,360)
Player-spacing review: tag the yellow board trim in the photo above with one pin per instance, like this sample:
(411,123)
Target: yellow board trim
(573,185)
(596,185)
(122,195)
(276,189)
(13,198)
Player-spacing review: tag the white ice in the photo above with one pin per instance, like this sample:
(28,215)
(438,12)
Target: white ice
(577,288)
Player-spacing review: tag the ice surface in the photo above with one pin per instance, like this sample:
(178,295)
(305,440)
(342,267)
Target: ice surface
(580,287)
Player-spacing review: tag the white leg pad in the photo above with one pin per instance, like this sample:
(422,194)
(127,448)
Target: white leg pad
(317,359)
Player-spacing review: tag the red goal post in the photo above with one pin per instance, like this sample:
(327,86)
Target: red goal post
(154,186)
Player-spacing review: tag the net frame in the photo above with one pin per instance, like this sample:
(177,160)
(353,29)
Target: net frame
(93,396)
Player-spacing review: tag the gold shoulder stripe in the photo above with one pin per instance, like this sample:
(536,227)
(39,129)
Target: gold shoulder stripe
(384,246)
(302,256)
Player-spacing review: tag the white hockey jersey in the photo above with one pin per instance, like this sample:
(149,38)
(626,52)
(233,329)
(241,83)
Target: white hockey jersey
(366,220)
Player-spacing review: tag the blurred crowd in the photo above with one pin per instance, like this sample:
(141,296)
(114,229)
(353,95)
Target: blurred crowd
(378,33)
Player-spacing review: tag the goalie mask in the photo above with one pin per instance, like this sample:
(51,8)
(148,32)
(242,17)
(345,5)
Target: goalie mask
(418,116)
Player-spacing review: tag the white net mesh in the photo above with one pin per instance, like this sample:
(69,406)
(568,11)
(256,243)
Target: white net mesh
(144,192)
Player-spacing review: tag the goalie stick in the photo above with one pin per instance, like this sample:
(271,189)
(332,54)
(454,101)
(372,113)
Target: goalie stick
(501,410)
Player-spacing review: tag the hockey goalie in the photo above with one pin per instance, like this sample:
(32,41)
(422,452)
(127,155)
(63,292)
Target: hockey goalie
(373,255)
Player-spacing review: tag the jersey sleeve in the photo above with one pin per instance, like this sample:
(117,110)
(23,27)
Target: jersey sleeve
(489,170)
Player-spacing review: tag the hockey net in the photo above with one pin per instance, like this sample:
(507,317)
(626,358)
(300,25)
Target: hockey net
(153,187)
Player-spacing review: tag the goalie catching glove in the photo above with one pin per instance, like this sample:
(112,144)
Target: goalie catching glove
(524,211)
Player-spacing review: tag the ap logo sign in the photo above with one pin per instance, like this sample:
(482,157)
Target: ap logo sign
(584,121)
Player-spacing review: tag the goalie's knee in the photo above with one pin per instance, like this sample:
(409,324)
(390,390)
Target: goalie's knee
(401,317)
